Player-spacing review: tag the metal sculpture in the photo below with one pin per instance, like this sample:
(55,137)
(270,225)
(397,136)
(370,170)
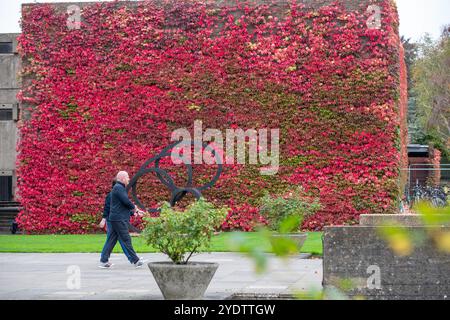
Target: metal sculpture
(177,193)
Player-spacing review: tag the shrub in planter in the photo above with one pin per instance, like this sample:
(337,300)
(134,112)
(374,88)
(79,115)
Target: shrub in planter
(276,209)
(284,215)
(180,234)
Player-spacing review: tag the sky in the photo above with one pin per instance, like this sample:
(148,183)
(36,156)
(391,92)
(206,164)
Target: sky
(417,17)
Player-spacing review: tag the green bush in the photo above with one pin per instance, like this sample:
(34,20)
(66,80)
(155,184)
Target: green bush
(179,234)
(286,213)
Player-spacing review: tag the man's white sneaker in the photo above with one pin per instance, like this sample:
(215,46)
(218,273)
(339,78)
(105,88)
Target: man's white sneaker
(105,265)
(143,260)
(139,264)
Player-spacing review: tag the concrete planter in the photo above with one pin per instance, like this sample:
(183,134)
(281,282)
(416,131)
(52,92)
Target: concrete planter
(183,282)
(299,238)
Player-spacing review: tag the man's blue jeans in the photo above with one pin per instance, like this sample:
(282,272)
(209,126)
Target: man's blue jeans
(106,251)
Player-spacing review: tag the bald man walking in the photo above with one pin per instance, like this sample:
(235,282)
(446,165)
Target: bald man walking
(119,218)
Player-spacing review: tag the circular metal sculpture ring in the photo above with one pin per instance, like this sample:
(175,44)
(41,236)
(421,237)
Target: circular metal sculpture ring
(164,154)
(183,191)
(159,172)
(177,193)
(218,172)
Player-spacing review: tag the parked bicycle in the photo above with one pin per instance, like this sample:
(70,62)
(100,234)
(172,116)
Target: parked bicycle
(435,195)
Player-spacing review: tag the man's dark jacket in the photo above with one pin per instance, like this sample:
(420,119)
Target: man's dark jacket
(120,204)
(107,206)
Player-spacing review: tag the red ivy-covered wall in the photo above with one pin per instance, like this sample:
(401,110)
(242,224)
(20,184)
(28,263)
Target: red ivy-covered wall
(106,96)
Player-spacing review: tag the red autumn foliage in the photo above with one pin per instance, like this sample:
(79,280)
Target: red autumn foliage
(106,97)
(244,217)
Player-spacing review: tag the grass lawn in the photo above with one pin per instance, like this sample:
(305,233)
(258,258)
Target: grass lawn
(94,243)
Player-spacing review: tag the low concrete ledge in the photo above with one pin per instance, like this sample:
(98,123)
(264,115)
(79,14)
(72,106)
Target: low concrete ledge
(407,220)
(359,257)
(412,220)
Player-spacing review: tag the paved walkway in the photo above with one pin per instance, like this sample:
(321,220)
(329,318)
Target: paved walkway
(53,276)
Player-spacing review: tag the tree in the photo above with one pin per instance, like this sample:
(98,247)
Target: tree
(411,55)
(431,89)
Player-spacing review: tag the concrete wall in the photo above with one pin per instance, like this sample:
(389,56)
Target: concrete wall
(9,87)
(357,260)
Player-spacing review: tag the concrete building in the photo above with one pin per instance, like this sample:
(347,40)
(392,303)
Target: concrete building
(9,114)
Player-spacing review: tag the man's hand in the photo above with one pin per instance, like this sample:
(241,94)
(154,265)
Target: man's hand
(140,212)
(102,223)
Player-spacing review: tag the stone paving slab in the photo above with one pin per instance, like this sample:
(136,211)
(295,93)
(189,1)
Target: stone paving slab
(47,275)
